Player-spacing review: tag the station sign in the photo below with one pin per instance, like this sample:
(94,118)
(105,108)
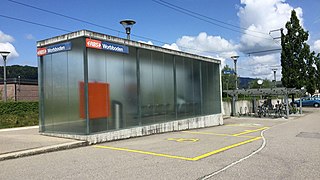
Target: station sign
(228,72)
(54,49)
(107,46)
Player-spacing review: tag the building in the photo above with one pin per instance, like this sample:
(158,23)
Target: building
(98,87)
(20,89)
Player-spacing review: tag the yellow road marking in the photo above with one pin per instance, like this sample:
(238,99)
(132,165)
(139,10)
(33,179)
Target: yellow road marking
(224,149)
(182,140)
(250,131)
(181,157)
(145,152)
(242,125)
(216,134)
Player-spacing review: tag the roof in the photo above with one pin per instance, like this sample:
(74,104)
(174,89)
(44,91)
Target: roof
(266,91)
(104,37)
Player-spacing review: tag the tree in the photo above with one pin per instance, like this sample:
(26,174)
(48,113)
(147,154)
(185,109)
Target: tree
(228,78)
(294,53)
(311,73)
(317,74)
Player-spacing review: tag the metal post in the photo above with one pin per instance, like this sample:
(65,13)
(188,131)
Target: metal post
(274,77)
(5,79)
(233,105)
(235,72)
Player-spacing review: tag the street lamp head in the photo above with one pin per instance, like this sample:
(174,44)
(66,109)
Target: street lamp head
(4,54)
(127,24)
(234,58)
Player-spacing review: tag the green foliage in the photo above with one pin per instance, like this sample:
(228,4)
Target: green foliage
(25,72)
(228,80)
(311,74)
(294,53)
(317,74)
(18,114)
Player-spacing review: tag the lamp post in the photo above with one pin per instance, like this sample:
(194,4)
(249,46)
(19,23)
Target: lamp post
(235,58)
(127,24)
(274,76)
(4,55)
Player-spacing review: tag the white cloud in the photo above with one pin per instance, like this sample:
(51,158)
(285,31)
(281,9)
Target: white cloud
(172,46)
(260,17)
(5,38)
(29,37)
(149,42)
(205,45)
(6,45)
(316,46)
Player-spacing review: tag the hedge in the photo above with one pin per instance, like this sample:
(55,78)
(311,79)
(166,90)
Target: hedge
(18,114)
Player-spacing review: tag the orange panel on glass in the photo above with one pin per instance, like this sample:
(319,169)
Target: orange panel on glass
(99,100)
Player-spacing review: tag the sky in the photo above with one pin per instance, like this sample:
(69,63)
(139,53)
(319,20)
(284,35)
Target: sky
(214,28)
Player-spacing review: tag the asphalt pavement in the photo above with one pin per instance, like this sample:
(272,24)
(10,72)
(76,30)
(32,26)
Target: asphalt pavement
(290,151)
(26,141)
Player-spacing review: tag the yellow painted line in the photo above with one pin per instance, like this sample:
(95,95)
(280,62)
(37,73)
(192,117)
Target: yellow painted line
(182,140)
(217,134)
(250,131)
(181,157)
(224,149)
(145,152)
(241,125)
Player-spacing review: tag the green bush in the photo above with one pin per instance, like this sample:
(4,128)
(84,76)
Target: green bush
(18,114)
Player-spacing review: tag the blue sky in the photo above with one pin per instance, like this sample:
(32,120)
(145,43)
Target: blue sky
(245,26)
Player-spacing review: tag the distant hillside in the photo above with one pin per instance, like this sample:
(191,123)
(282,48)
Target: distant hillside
(244,82)
(25,72)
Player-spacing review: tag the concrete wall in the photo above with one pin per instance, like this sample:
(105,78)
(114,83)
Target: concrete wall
(226,106)
(191,123)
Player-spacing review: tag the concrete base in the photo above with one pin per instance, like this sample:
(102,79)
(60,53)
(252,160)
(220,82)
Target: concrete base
(190,123)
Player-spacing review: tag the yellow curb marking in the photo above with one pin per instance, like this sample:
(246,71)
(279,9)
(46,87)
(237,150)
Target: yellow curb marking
(182,140)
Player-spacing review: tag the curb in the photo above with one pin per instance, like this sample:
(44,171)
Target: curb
(42,150)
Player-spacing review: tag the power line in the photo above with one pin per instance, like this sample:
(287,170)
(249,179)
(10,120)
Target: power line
(192,14)
(264,51)
(213,19)
(64,30)
(34,23)
(65,16)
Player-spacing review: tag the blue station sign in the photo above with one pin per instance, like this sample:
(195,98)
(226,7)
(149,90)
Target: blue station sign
(54,49)
(107,46)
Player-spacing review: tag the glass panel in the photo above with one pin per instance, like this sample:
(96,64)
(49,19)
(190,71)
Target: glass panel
(115,77)
(181,78)
(196,88)
(205,93)
(158,86)
(169,87)
(97,90)
(59,102)
(146,87)
(47,87)
(216,88)
(75,76)
(130,86)
(189,87)
(62,73)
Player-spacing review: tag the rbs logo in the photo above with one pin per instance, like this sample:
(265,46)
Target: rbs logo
(91,43)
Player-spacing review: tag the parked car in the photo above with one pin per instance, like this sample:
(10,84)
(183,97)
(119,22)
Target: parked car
(308,101)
